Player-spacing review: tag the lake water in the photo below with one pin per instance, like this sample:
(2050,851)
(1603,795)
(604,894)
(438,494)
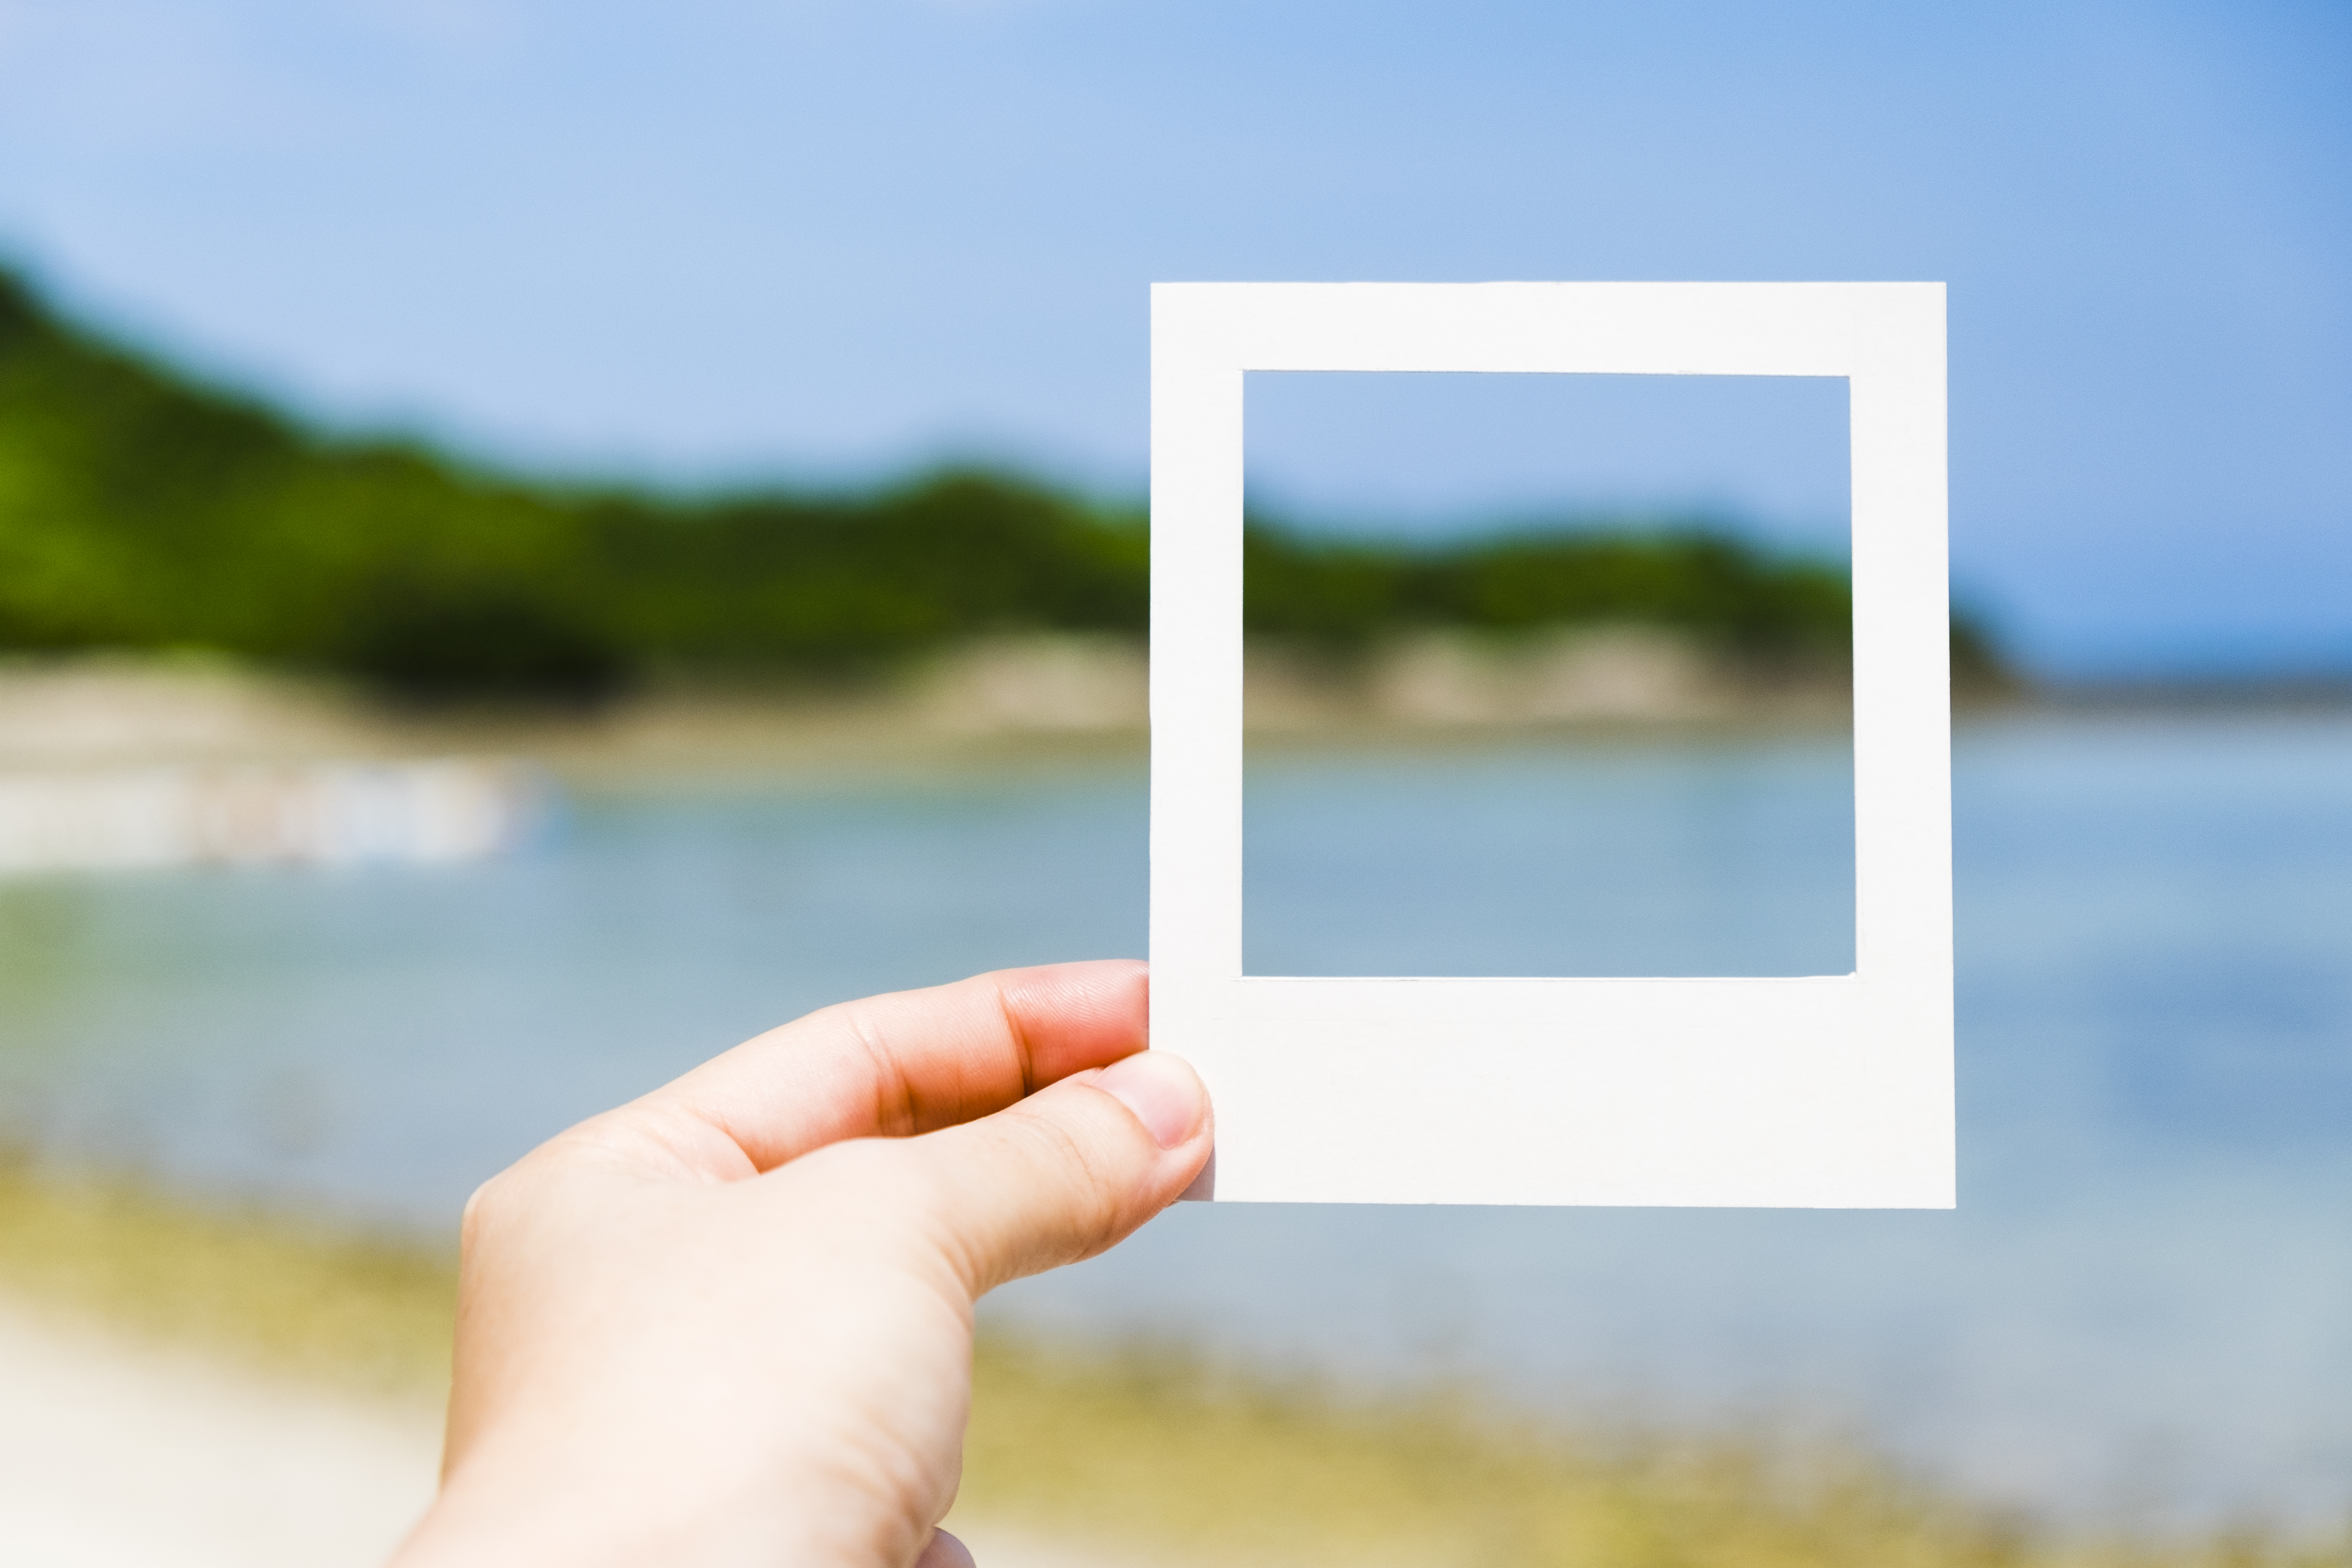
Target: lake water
(2142,1308)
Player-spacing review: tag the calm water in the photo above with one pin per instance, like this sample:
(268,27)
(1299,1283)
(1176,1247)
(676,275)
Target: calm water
(2142,1307)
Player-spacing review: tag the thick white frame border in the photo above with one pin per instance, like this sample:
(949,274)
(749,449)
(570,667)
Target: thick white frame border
(1827,1091)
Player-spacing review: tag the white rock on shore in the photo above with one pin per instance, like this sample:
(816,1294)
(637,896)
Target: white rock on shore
(111,713)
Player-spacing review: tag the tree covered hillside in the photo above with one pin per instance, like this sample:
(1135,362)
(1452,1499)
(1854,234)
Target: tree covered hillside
(141,509)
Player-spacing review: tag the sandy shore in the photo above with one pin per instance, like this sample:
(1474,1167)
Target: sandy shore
(118,1454)
(187,1385)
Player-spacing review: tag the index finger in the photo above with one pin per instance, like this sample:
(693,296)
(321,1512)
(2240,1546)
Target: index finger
(910,1061)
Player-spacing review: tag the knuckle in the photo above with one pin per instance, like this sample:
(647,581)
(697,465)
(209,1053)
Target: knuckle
(894,1107)
(499,1203)
(481,1205)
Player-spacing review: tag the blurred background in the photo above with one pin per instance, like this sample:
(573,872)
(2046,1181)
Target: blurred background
(539,541)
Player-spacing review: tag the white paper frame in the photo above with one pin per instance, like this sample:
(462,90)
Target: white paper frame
(1811,1091)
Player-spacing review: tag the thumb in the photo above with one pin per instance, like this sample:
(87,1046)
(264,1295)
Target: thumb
(1070,1170)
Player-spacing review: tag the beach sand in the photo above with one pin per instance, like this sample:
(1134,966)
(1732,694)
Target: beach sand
(122,1454)
(187,1386)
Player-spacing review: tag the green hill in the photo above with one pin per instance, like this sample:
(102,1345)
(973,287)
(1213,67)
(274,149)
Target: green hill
(140,508)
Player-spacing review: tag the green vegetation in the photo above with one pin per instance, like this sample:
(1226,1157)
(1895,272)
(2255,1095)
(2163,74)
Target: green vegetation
(1148,1450)
(138,509)
(1347,590)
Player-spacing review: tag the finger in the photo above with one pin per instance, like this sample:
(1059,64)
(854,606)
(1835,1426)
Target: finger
(914,1061)
(944,1551)
(1066,1171)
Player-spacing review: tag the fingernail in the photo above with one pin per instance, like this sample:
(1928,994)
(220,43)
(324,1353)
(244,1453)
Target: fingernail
(1160,1090)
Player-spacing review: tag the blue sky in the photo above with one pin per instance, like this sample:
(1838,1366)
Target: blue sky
(711,239)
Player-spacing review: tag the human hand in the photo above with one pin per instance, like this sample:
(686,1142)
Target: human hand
(731,1322)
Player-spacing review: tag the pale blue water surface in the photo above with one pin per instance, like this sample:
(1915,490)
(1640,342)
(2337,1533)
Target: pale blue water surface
(2142,1308)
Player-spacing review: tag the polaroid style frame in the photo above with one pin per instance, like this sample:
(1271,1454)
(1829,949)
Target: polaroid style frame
(1826,1091)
